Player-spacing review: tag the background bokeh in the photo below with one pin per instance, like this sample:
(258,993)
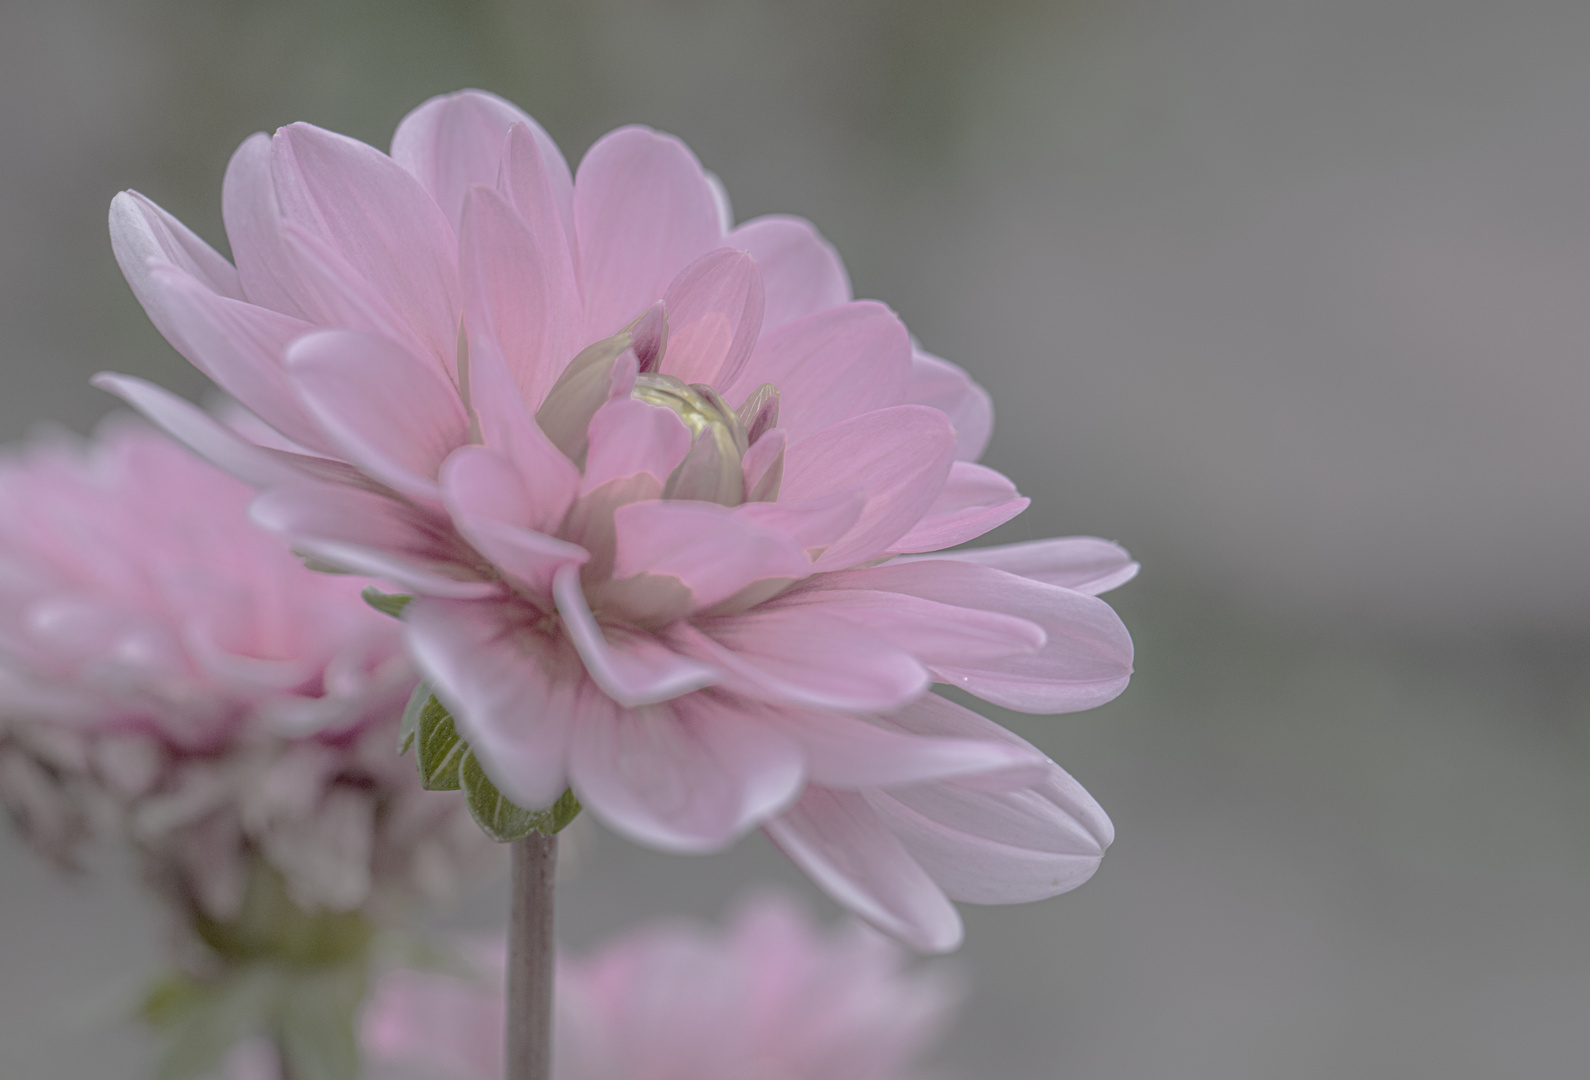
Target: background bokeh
(1292,298)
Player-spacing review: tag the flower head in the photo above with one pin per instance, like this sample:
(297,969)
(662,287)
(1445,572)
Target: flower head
(170,670)
(652,477)
(772,998)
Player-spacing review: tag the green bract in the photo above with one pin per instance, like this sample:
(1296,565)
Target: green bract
(446,763)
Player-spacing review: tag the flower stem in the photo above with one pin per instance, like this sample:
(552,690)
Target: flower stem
(530,959)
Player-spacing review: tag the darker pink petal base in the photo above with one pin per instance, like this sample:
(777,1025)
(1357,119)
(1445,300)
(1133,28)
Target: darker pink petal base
(673,506)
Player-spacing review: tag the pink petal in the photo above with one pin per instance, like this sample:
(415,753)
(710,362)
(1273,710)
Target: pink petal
(535,178)
(370,534)
(241,347)
(762,468)
(713,552)
(514,697)
(932,632)
(201,432)
(1084,564)
(690,775)
(973,500)
(1086,661)
(508,426)
(643,211)
(519,291)
(839,840)
(847,753)
(253,218)
(801,270)
(454,141)
(489,502)
(632,668)
(813,523)
(1000,847)
(389,412)
(830,366)
(803,658)
(628,437)
(900,456)
(367,207)
(714,316)
(481,482)
(141,231)
(944,386)
(332,293)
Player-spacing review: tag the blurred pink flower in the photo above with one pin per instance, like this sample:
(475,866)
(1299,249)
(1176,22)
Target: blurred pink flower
(773,998)
(169,670)
(639,467)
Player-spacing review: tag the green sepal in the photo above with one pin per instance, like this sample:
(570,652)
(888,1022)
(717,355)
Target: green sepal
(410,724)
(500,818)
(385,602)
(438,748)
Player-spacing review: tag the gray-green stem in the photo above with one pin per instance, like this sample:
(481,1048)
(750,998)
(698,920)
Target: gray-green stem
(531,959)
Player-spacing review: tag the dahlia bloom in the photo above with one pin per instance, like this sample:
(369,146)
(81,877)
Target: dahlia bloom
(772,997)
(172,672)
(661,490)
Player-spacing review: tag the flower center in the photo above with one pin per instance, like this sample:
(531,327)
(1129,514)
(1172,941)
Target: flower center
(713,470)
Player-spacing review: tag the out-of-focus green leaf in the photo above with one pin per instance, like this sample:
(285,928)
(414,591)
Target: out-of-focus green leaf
(385,602)
(315,1021)
(215,1018)
(269,926)
(439,749)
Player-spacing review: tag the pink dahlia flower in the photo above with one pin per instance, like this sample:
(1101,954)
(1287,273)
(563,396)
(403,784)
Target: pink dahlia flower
(650,476)
(170,670)
(772,998)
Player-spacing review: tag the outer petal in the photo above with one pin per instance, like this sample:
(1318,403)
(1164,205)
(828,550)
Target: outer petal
(1086,661)
(801,271)
(709,549)
(141,231)
(803,658)
(1085,564)
(689,775)
(536,180)
(932,632)
(367,207)
(634,669)
(241,347)
(454,141)
(253,218)
(944,386)
(972,501)
(201,432)
(391,413)
(836,364)
(371,534)
(900,456)
(848,753)
(643,211)
(714,311)
(520,291)
(1000,847)
(516,694)
(839,839)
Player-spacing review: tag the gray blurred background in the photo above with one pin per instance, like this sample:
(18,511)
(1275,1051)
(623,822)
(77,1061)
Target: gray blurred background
(1292,298)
